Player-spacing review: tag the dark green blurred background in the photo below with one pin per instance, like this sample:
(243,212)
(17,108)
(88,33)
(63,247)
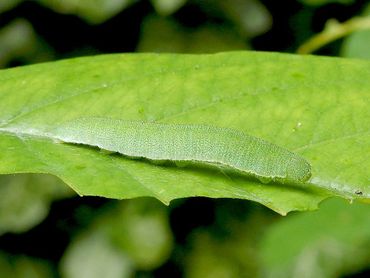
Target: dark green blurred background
(48,231)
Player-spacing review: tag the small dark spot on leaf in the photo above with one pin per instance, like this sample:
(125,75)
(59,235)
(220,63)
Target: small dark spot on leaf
(358,192)
(80,167)
(297,75)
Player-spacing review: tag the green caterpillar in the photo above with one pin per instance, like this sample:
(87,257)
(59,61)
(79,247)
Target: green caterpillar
(198,143)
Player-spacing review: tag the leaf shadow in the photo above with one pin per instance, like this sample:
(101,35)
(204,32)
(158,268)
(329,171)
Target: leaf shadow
(208,169)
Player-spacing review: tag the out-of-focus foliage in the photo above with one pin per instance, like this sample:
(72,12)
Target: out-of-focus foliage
(230,252)
(241,21)
(249,17)
(161,34)
(19,41)
(8,4)
(25,200)
(327,243)
(357,45)
(167,7)
(94,256)
(93,11)
(324,2)
(212,257)
(128,236)
(23,267)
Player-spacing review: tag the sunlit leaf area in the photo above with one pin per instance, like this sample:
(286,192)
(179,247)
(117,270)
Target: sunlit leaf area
(295,73)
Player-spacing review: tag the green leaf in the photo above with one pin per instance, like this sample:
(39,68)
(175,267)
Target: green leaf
(332,242)
(314,106)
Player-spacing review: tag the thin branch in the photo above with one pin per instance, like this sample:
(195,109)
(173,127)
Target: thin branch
(334,30)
